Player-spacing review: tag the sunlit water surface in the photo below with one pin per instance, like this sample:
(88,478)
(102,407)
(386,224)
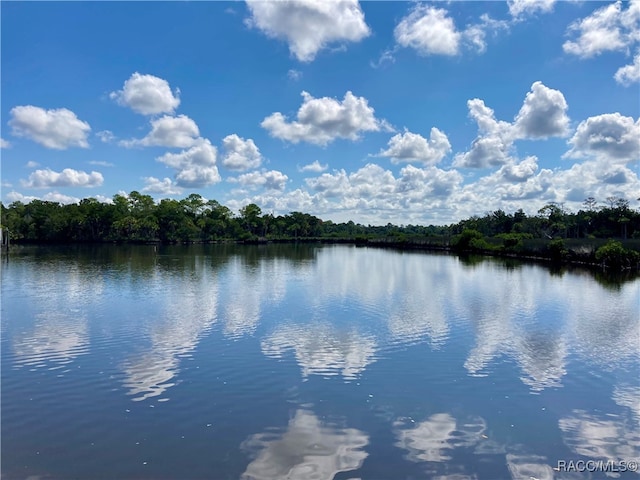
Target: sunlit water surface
(309,362)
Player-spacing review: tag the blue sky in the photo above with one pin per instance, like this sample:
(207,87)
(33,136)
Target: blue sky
(422,113)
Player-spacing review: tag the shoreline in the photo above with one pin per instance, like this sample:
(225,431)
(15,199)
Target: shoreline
(583,256)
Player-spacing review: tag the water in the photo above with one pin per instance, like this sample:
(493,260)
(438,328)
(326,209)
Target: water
(308,362)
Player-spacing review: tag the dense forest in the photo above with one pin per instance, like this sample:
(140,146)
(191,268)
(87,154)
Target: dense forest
(554,232)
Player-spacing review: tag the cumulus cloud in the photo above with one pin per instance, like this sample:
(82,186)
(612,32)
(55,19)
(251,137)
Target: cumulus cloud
(58,129)
(240,154)
(611,137)
(147,94)
(271,180)
(507,187)
(49,197)
(60,198)
(493,145)
(314,166)
(428,30)
(4,143)
(542,115)
(519,172)
(164,186)
(629,73)
(14,196)
(195,167)
(309,26)
(168,131)
(374,187)
(521,8)
(608,29)
(407,147)
(67,178)
(322,120)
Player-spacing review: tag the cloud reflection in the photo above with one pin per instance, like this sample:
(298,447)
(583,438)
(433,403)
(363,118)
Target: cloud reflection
(437,438)
(322,349)
(434,439)
(60,331)
(249,288)
(56,337)
(610,438)
(307,449)
(528,467)
(187,315)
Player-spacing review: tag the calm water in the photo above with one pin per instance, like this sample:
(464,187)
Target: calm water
(303,362)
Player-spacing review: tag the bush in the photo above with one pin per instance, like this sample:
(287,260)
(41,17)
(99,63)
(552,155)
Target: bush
(613,254)
(556,249)
(464,240)
(512,242)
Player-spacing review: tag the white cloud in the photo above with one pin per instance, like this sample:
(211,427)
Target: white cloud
(60,198)
(294,75)
(67,178)
(147,94)
(429,31)
(164,186)
(543,114)
(240,154)
(271,180)
(106,136)
(49,197)
(195,167)
(314,166)
(18,197)
(309,26)
(609,28)
(58,129)
(167,131)
(372,187)
(4,143)
(322,120)
(101,163)
(611,137)
(493,145)
(386,57)
(514,182)
(519,172)
(629,73)
(32,164)
(418,184)
(103,199)
(407,147)
(521,8)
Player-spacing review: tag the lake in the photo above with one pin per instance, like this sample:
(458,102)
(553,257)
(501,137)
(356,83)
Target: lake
(313,362)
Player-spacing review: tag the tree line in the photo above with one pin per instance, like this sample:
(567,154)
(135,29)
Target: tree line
(137,217)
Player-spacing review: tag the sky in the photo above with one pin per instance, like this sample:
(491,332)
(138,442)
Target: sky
(376,112)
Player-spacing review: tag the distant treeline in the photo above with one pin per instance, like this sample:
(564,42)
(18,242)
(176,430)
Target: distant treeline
(137,218)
